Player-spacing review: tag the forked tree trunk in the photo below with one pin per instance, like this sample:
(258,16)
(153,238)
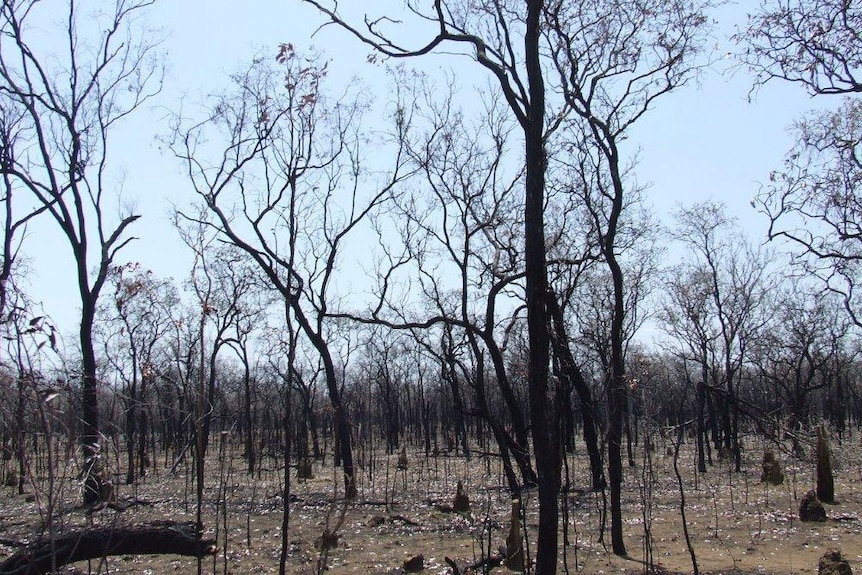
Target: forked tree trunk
(344,448)
(571,374)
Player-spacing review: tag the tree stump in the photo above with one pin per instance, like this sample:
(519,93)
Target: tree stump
(328,540)
(414,564)
(772,473)
(811,509)
(402,459)
(99,491)
(462,502)
(514,542)
(450,444)
(833,563)
(825,481)
(304,470)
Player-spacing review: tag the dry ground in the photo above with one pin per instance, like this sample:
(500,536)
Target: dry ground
(737,524)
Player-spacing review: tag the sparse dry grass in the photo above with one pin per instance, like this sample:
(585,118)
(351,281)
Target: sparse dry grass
(737,523)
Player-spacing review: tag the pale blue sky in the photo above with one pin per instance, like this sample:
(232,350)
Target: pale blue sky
(705,141)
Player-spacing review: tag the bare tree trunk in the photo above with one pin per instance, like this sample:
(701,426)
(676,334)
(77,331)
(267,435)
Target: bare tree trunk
(89,396)
(20,451)
(571,374)
(288,440)
(131,433)
(449,375)
(617,389)
(143,431)
(543,411)
(249,423)
(700,431)
(342,425)
(628,429)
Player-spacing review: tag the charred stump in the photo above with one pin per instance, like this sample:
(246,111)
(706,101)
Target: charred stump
(461,504)
(771,469)
(833,563)
(514,542)
(811,509)
(304,470)
(825,481)
(98,490)
(414,564)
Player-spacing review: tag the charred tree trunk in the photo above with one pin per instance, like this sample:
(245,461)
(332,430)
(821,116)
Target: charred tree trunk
(825,481)
(503,439)
(166,538)
(90,399)
(344,448)
(727,428)
(520,442)
(143,432)
(700,431)
(570,373)
(246,409)
(450,375)
(20,450)
(617,388)
(628,428)
(131,435)
(543,410)
(209,399)
(712,413)
(426,420)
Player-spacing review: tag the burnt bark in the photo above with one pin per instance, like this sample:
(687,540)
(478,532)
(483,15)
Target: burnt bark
(700,430)
(571,375)
(543,409)
(90,401)
(342,425)
(165,538)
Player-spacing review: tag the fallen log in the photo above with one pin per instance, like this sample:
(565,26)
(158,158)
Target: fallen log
(484,565)
(164,538)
